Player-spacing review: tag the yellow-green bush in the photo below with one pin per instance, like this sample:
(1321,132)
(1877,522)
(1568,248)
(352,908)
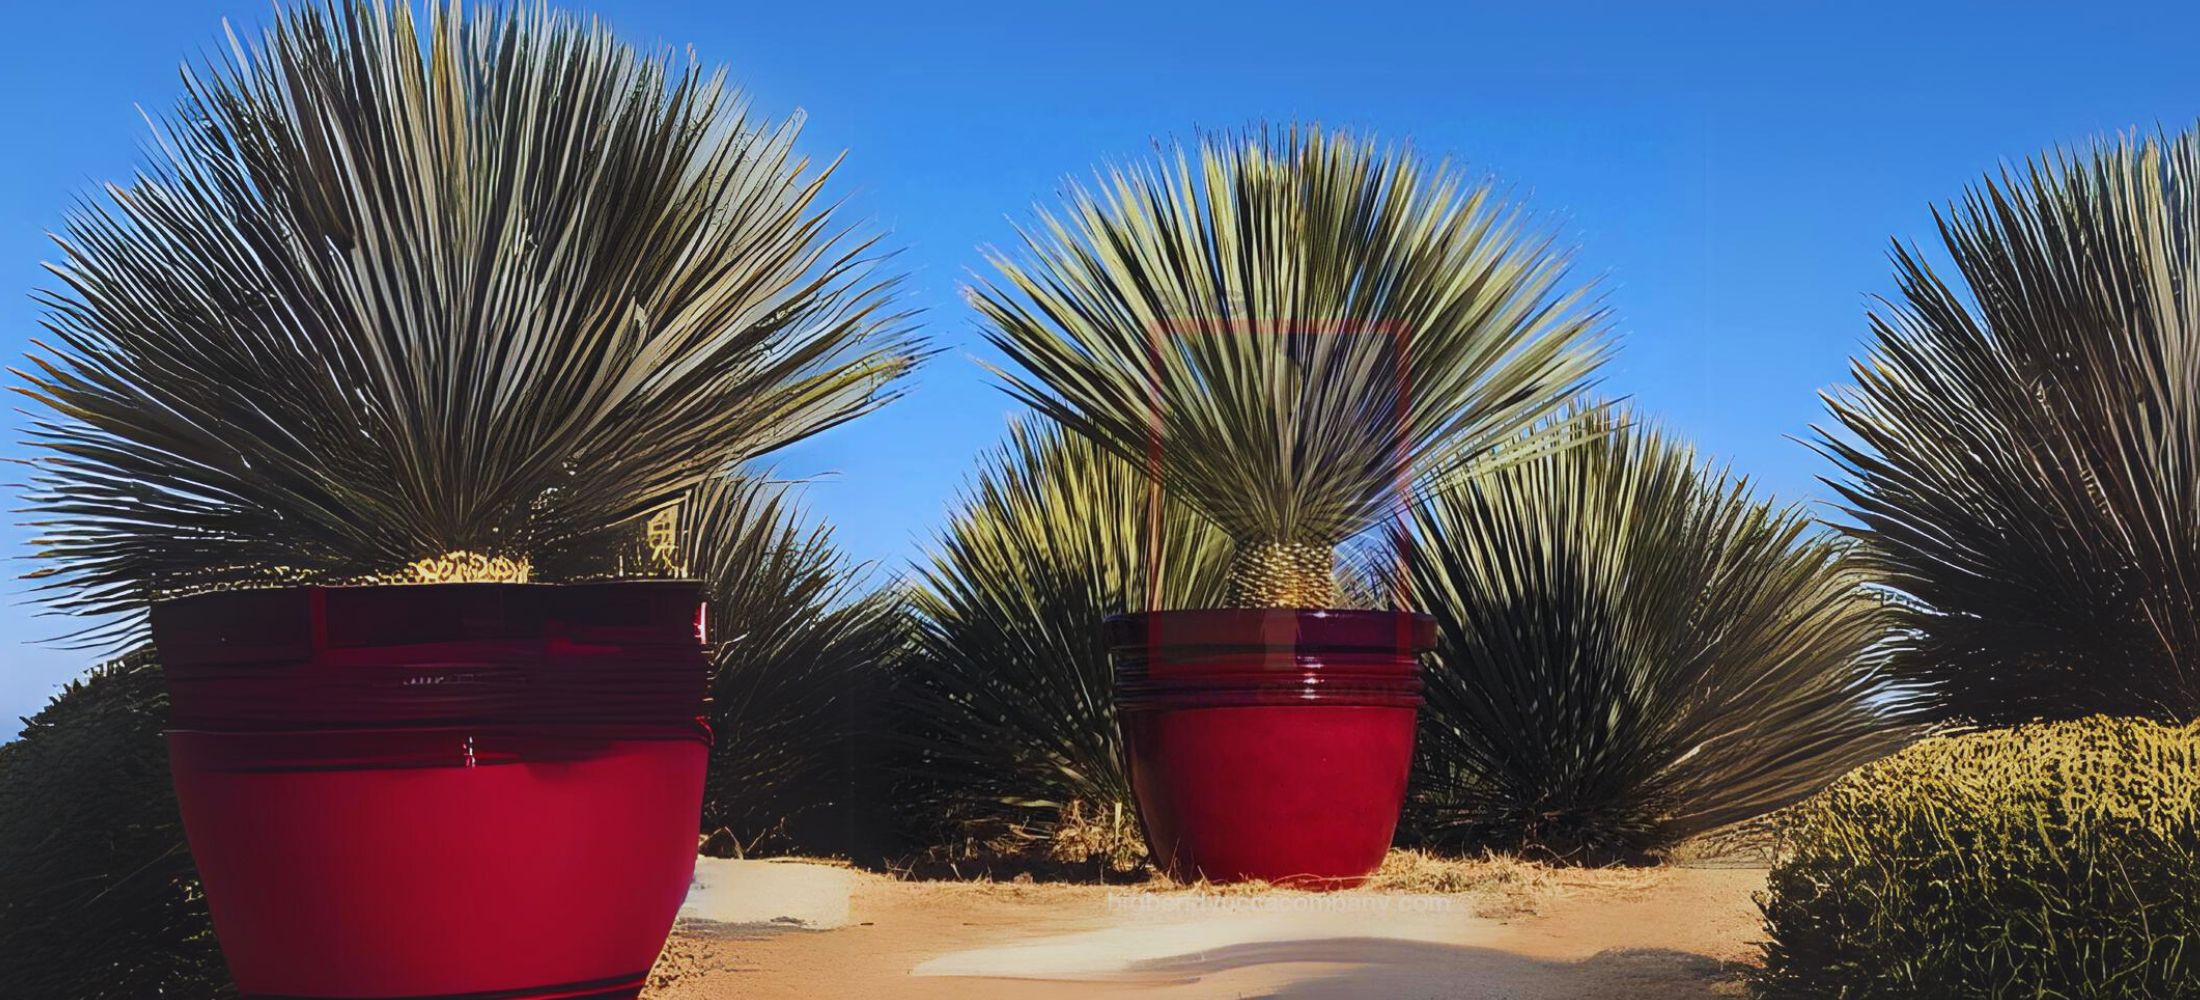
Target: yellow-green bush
(2052,860)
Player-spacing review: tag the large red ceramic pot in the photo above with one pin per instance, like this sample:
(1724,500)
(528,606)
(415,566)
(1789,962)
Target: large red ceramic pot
(441,791)
(1269,744)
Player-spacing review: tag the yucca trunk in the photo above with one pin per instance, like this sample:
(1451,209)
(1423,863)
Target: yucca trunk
(1283,575)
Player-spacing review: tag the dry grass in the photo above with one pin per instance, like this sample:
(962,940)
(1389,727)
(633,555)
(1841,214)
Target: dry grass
(1501,886)
(1080,843)
(1108,835)
(1751,843)
(1422,872)
(1504,887)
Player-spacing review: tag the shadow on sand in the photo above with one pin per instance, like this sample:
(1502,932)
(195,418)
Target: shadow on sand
(1388,967)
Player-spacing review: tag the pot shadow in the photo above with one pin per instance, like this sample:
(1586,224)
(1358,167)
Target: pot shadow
(1390,967)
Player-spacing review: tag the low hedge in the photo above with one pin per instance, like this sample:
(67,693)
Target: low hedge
(2052,860)
(98,896)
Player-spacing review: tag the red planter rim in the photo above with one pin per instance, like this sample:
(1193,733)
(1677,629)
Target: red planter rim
(1133,699)
(519,657)
(1252,657)
(280,623)
(1329,630)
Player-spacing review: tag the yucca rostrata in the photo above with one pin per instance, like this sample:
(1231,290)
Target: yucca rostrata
(1634,647)
(380,304)
(2021,452)
(116,909)
(1006,724)
(798,653)
(399,304)
(1291,332)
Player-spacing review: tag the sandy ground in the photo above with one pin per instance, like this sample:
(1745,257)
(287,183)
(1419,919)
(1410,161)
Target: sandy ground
(1662,933)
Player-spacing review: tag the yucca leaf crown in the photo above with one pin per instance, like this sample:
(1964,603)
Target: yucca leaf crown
(392,292)
(1292,329)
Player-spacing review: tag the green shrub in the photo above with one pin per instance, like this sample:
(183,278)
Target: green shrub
(98,896)
(2049,860)
(2019,448)
(799,651)
(1632,648)
(1006,718)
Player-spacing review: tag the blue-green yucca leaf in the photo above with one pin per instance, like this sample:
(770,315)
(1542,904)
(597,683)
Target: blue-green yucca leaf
(799,647)
(393,290)
(99,898)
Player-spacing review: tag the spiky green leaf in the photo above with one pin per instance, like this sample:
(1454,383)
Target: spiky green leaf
(2021,450)
(1009,708)
(1633,648)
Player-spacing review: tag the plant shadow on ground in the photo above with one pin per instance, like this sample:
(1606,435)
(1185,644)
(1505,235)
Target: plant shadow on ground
(1385,967)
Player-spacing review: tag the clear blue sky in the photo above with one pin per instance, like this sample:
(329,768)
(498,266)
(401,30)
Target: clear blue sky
(1732,171)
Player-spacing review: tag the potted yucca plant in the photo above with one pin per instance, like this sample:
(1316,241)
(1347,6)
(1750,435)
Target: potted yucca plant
(1292,332)
(405,318)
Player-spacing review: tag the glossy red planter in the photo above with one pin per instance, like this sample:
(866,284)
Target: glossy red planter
(443,791)
(1269,744)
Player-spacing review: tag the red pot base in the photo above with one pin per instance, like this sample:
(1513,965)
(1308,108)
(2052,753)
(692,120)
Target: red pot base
(1269,745)
(444,882)
(1301,796)
(439,792)
(618,988)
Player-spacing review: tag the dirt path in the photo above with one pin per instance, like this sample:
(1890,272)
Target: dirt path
(1666,933)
